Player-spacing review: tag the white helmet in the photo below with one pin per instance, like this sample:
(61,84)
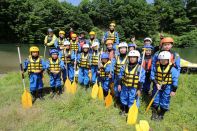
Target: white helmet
(86,46)
(164,55)
(95,44)
(134,53)
(66,43)
(148,38)
(123,44)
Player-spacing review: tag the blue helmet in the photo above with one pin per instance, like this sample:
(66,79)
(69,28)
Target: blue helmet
(104,56)
(54,51)
(132,45)
(148,47)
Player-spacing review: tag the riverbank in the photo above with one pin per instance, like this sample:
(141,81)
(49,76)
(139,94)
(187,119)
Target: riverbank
(80,112)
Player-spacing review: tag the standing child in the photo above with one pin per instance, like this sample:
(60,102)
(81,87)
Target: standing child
(104,73)
(130,81)
(165,78)
(84,66)
(120,61)
(94,61)
(54,66)
(147,66)
(35,66)
(67,56)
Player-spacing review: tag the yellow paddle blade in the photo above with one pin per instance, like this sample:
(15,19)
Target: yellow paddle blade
(132,115)
(144,126)
(74,87)
(108,100)
(95,90)
(67,84)
(137,127)
(100,93)
(26,99)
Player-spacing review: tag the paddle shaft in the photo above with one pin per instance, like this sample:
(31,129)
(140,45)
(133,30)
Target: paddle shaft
(45,48)
(21,67)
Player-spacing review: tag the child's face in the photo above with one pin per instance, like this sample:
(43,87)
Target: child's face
(82,35)
(131,48)
(104,60)
(166,46)
(91,36)
(109,46)
(164,62)
(54,56)
(51,33)
(35,54)
(73,38)
(85,49)
(111,28)
(148,52)
(123,50)
(61,35)
(133,59)
(147,42)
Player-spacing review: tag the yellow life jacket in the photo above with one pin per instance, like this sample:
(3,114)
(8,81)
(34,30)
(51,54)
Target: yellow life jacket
(60,42)
(34,66)
(68,56)
(84,61)
(102,70)
(160,75)
(95,57)
(54,66)
(119,64)
(131,79)
(111,35)
(74,45)
(91,41)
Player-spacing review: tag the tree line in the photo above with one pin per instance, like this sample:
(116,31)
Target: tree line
(27,20)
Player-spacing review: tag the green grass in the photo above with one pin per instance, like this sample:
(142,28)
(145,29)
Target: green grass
(80,112)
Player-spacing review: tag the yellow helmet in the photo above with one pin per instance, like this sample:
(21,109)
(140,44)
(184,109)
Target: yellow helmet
(74,35)
(33,49)
(113,24)
(92,33)
(109,41)
(61,32)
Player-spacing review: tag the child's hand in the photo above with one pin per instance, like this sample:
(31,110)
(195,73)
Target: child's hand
(158,87)
(172,93)
(138,93)
(119,88)
(98,72)
(110,76)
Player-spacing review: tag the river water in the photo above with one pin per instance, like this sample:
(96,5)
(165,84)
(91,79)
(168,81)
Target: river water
(9,57)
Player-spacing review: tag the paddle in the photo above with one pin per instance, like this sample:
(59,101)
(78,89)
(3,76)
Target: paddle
(74,84)
(67,83)
(26,96)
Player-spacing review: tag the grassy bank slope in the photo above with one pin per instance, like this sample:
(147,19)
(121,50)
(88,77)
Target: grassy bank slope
(80,112)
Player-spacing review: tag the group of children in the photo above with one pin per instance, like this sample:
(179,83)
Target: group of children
(120,69)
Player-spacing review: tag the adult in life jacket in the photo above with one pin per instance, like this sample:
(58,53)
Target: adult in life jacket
(83,60)
(60,40)
(54,65)
(104,73)
(35,66)
(166,44)
(74,44)
(94,61)
(112,34)
(165,78)
(147,66)
(130,81)
(68,57)
(120,61)
(92,38)
(50,38)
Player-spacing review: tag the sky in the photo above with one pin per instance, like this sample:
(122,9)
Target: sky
(77,2)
